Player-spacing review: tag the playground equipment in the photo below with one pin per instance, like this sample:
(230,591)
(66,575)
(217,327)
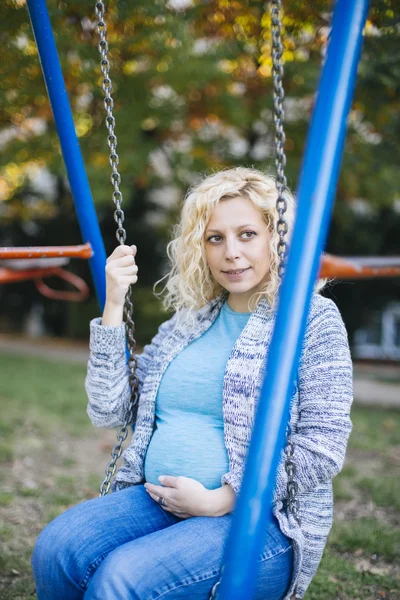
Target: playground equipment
(315,201)
(22,264)
(32,263)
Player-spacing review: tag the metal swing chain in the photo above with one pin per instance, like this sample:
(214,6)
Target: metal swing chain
(281,224)
(280,137)
(119,218)
(281,206)
(282,228)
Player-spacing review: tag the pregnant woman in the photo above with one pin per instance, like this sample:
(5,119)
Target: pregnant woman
(162,532)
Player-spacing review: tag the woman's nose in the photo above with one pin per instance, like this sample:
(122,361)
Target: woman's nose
(232,249)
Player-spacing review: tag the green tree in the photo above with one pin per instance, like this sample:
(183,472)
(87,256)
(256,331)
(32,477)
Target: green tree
(193,93)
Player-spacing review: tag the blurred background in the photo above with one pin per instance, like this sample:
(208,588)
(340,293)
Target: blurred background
(193,93)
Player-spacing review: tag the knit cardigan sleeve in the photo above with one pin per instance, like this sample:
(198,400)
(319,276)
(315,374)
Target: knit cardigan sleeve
(325,387)
(107,380)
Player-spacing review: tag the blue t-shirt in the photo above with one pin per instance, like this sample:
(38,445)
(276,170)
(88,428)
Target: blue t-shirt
(189,435)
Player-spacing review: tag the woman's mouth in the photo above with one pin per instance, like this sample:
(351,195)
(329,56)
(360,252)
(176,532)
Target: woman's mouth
(234,274)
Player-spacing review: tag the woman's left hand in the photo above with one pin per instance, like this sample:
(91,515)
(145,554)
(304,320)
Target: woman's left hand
(184,497)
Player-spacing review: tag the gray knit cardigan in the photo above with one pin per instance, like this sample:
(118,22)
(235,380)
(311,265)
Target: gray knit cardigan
(319,414)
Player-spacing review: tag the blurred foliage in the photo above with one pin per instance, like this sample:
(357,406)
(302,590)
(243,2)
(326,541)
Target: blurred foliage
(193,93)
(181,79)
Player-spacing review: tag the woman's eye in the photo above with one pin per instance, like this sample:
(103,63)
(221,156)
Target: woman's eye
(251,234)
(248,236)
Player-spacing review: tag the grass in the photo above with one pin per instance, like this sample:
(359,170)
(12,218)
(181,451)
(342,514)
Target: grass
(367,536)
(384,491)
(376,430)
(337,578)
(49,393)
(6,533)
(46,434)
(342,485)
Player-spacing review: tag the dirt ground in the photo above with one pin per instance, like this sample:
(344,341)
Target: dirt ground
(47,469)
(34,479)
(37,470)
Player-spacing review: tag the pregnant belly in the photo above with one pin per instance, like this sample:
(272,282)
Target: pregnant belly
(191,452)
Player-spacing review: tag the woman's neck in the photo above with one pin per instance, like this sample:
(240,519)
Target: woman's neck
(238,302)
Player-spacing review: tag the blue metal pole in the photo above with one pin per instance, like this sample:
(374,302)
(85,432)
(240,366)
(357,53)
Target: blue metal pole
(69,142)
(315,202)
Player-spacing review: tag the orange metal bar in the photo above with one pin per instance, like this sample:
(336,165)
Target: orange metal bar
(81,251)
(331,266)
(81,292)
(10,276)
(358,268)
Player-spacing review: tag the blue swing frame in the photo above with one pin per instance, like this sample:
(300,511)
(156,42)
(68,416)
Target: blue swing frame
(315,197)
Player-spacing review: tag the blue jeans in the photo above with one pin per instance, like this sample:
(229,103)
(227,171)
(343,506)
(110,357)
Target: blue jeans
(124,546)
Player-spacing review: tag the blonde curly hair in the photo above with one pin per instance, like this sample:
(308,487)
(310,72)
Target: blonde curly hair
(190,284)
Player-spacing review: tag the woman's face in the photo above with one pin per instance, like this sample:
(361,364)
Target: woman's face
(237,238)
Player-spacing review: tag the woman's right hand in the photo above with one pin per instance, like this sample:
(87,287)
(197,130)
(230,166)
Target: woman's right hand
(121,272)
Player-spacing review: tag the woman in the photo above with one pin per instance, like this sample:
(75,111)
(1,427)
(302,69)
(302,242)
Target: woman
(163,533)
